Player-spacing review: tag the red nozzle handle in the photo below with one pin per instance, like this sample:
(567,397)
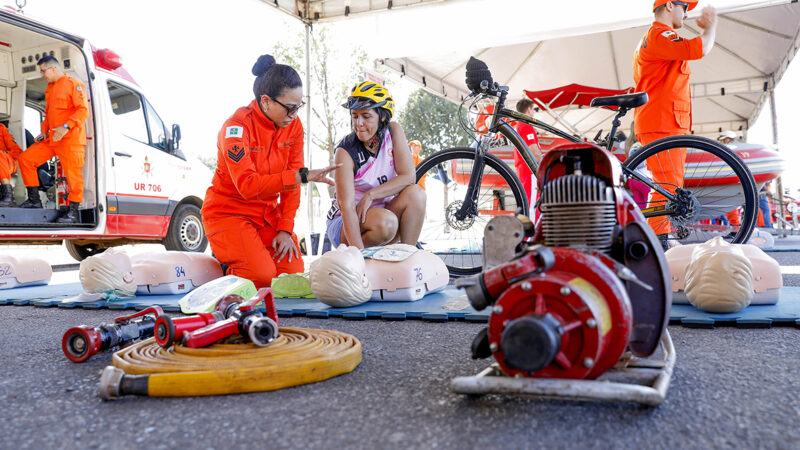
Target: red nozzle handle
(269,306)
(211,333)
(80,343)
(169,330)
(153,309)
(264,294)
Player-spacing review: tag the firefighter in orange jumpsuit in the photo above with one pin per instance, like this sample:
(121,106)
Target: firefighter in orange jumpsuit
(661,68)
(63,135)
(416,147)
(528,134)
(9,152)
(249,210)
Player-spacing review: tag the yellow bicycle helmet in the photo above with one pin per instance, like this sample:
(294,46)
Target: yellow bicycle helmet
(368,95)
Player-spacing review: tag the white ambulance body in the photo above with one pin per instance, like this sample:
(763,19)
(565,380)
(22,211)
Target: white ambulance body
(139,185)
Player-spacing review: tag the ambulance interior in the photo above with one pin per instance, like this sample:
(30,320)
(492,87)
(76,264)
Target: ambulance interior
(22,106)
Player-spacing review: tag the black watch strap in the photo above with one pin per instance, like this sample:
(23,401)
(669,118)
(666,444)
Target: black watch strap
(304,175)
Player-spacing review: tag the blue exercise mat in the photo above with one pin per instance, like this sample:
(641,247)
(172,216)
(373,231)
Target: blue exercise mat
(25,295)
(429,308)
(785,312)
(787,244)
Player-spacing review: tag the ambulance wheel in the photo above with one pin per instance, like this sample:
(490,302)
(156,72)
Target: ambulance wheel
(186,233)
(81,252)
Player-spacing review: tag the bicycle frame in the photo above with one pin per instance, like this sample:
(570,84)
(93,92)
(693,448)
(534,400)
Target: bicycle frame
(504,128)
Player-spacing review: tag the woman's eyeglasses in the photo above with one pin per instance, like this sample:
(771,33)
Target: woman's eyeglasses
(291,110)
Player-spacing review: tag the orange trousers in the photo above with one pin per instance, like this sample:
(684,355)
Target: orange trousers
(247,250)
(667,169)
(7,165)
(71,157)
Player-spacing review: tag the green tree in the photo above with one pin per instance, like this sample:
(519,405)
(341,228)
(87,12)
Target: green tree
(209,161)
(332,75)
(433,121)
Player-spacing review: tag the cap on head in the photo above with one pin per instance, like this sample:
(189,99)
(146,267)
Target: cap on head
(368,95)
(692,3)
(727,134)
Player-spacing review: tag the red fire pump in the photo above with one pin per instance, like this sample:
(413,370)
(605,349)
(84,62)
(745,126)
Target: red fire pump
(571,294)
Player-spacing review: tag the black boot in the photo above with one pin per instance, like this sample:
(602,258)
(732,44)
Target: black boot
(6,196)
(33,200)
(70,215)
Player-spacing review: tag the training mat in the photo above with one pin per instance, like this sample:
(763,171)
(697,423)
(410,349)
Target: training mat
(785,312)
(447,304)
(26,294)
(787,244)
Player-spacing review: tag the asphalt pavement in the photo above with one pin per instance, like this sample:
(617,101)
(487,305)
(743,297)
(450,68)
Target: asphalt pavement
(732,388)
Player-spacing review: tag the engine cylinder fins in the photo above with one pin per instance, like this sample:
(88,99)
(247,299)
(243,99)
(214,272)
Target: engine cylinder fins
(578,211)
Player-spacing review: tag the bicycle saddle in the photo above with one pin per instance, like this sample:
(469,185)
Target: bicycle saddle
(623,101)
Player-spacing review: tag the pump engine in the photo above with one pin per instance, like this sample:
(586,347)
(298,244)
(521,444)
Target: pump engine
(570,294)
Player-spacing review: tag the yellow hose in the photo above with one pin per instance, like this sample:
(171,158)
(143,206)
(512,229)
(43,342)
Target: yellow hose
(297,356)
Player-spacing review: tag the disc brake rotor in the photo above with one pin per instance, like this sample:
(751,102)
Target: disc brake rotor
(450,216)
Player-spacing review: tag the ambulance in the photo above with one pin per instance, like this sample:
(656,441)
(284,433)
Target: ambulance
(140,187)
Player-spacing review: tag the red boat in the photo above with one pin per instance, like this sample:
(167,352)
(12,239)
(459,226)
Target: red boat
(764,163)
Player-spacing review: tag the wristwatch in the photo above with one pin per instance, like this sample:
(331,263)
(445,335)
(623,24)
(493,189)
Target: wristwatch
(303,175)
(66,125)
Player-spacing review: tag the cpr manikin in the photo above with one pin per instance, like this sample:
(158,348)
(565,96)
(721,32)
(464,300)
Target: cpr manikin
(114,273)
(720,277)
(108,274)
(338,278)
(25,271)
(396,272)
(401,272)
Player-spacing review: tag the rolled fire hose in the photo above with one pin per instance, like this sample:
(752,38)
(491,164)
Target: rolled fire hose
(297,356)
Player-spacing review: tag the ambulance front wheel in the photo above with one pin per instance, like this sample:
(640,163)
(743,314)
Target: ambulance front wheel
(186,233)
(83,251)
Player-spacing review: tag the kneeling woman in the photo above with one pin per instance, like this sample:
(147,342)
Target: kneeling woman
(249,210)
(377,201)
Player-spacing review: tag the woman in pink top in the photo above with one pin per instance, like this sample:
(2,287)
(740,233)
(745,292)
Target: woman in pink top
(377,199)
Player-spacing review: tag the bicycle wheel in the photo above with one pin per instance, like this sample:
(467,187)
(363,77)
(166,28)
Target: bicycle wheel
(451,231)
(716,184)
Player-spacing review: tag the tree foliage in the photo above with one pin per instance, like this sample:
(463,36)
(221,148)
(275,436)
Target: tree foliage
(332,76)
(433,121)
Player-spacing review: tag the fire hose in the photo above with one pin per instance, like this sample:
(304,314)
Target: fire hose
(297,356)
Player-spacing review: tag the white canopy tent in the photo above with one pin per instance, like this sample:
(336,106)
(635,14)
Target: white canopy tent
(541,45)
(755,43)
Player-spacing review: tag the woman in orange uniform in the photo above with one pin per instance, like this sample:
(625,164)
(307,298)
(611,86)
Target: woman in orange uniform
(9,152)
(249,210)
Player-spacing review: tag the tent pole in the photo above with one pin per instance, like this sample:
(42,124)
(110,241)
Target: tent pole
(309,189)
(778,182)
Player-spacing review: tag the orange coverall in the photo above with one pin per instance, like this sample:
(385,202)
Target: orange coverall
(66,104)
(661,68)
(418,159)
(9,152)
(254,195)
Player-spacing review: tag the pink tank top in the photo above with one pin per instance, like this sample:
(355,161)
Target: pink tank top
(370,170)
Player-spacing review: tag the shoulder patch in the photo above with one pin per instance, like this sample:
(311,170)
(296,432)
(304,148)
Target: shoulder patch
(234,132)
(235,153)
(672,36)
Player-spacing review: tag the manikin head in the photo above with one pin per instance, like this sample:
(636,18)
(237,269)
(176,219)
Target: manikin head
(719,277)
(338,277)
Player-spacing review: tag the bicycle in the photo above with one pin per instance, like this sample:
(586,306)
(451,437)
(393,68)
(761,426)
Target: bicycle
(716,180)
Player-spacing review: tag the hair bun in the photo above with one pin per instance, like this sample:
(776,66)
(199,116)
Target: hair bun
(263,63)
